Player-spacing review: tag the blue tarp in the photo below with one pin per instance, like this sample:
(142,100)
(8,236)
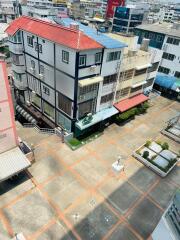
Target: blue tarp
(101,38)
(166,81)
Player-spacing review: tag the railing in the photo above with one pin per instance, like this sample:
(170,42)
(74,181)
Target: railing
(41,130)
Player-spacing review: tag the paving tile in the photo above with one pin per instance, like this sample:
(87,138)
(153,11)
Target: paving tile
(123,197)
(64,190)
(92,170)
(143,178)
(46,168)
(122,233)
(57,231)
(3,234)
(29,214)
(174,175)
(145,218)
(93,220)
(163,193)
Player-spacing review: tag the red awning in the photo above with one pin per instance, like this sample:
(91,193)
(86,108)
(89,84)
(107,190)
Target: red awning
(126,104)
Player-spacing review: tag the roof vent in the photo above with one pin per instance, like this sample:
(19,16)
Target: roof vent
(145,44)
(74,26)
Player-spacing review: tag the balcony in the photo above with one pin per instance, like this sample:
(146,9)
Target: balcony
(18,69)
(16,48)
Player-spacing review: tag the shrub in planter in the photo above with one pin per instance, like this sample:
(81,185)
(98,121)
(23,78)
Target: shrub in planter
(138,152)
(148,143)
(126,115)
(142,108)
(146,154)
(159,142)
(165,146)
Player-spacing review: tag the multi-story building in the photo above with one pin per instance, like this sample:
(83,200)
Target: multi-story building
(111,5)
(169,226)
(138,69)
(128,17)
(166,37)
(61,74)
(40,12)
(85,9)
(12,160)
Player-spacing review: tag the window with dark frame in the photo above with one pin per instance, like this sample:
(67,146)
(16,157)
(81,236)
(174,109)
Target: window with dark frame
(177,74)
(109,79)
(82,60)
(98,57)
(168,56)
(126,75)
(38,47)
(65,56)
(112,56)
(85,108)
(154,67)
(64,104)
(46,90)
(88,88)
(173,41)
(141,71)
(30,41)
(164,70)
(107,98)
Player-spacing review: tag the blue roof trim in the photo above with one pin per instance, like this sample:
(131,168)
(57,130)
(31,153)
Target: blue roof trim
(165,81)
(101,38)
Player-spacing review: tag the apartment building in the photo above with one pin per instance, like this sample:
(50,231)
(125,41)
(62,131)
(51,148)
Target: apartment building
(127,18)
(168,227)
(12,160)
(61,74)
(138,70)
(166,37)
(47,3)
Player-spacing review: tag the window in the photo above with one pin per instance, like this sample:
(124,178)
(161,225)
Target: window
(168,56)
(159,38)
(38,47)
(49,110)
(112,56)
(164,70)
(87,89)
(149,83)
(15,59)
(85,108)
(30,41)
(154,67)
(46,90)
(177,74)
(82,60)
(41,69)
(33,64)
(141,71)
(65,56)
(136,89)
(107,98)
(173,41)
(123,92)
(110,79)
(98,57)
(17,76)
(64,104)
(36,100)
(126,75)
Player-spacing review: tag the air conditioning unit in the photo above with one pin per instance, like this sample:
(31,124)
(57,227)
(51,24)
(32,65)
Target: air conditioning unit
(28,103)
(93,68)
(41,76)
(81,97)
(32,70)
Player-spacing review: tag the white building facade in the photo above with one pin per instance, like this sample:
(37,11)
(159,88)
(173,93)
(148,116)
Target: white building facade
(59,81)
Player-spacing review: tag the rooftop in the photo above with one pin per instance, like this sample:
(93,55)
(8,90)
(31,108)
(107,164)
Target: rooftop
(62,35)
(101,38)
(165,28)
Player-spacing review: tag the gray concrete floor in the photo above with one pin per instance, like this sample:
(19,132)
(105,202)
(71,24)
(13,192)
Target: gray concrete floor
(75,195)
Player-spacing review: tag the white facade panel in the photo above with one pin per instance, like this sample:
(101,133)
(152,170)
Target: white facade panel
(47,51)
(89,71)
(65,84)
(65,67)
(48,97)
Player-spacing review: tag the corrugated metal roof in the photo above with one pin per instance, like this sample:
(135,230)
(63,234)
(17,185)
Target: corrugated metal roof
(12,162)
(167,81)
(101,38)
(62,35)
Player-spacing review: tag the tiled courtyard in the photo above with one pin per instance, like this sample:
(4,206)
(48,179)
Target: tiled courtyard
(75,195)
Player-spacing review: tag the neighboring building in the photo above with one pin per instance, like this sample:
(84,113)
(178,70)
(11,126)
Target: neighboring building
(138,68)
(85,9)
(166,13)
(165,37)
(7,4)
(12,160)
(128,17)
(47,3)
(40,12)
(7,15)
(61,74)
(169,226)
(3,34)
(111,5)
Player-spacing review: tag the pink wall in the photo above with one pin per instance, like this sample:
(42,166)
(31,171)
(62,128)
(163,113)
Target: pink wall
(8,134)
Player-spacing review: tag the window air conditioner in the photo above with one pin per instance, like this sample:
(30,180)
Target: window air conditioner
(41,76)
(32,70)
(93,68)
(81,97)
(28,103)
